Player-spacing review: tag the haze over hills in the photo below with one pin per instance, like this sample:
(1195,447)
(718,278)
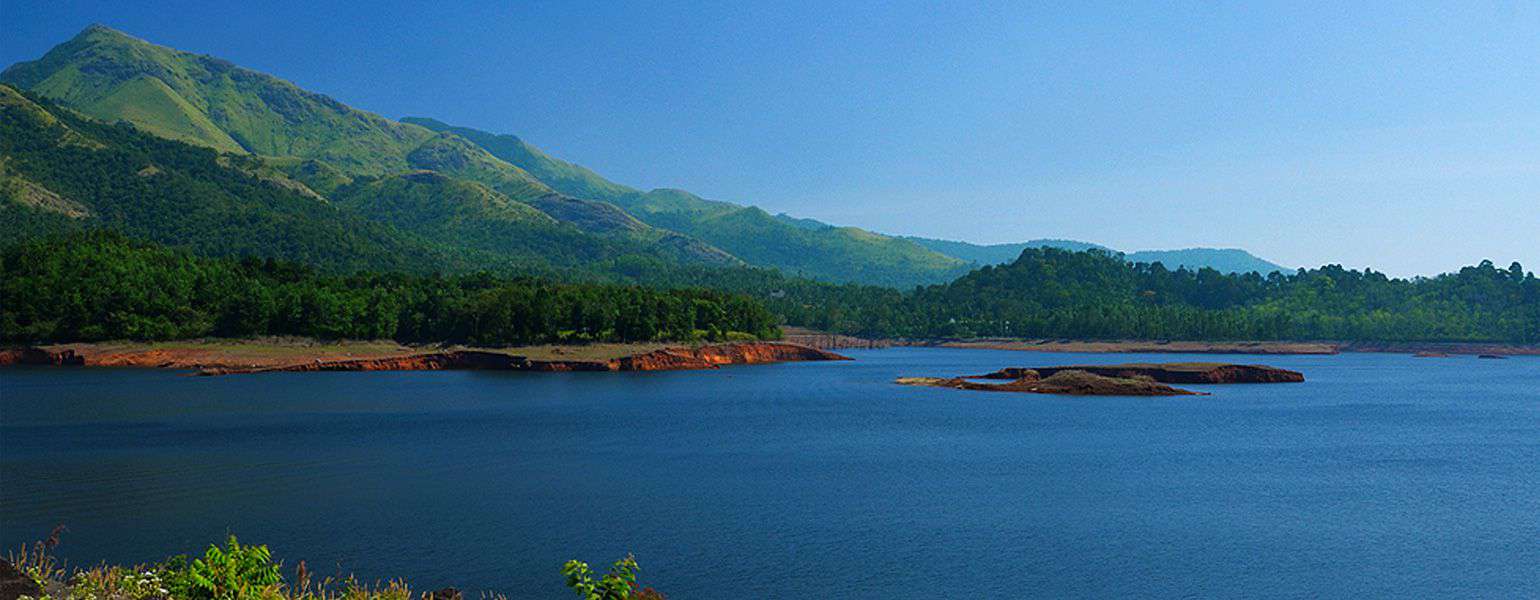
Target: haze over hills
(495,193)
(1224,260)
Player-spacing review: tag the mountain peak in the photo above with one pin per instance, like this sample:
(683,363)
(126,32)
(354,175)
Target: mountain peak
(97,33)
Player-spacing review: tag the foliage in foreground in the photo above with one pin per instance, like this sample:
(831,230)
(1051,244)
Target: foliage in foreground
(239,571)
(99,285)
(618,584)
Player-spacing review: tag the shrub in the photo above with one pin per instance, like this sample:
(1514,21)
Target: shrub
(235,572)
(618,584)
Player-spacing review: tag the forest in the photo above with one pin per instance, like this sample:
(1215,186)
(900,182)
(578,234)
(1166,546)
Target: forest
(100,285)
(1053,293)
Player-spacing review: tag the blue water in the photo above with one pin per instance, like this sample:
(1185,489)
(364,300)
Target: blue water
(1381,475)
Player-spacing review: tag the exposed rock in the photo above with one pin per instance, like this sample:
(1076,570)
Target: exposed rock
(39,356)
(1070,382)
(15,584)
(1431,354)
(1168,372)
(1492,356)
(447,593)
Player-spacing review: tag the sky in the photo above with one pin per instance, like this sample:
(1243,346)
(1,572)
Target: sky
(1399,136)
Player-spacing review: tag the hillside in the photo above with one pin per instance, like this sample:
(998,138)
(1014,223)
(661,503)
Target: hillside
(306,137)
(567,178)
(62,171)
(830,253)
(204,100)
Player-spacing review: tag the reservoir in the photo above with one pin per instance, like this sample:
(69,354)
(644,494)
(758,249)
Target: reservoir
(1380,475)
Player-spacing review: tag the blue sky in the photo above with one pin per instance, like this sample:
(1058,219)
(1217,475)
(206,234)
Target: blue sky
(1402,136)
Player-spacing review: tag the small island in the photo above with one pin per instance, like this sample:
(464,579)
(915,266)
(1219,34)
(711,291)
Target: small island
(1134,379)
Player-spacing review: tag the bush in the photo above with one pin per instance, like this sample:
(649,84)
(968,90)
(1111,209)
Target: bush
(232,573)
(618,584)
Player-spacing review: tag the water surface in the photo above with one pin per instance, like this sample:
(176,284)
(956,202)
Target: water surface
(1381,475)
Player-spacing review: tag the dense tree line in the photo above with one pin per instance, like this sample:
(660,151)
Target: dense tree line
(1052,293)
(100,285)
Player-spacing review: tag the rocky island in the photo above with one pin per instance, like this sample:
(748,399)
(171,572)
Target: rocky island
(1134,379)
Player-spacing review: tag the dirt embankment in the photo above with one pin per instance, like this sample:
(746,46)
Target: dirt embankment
(40,356)
(220,358)
(663,359)
(1440,349)
(255,356)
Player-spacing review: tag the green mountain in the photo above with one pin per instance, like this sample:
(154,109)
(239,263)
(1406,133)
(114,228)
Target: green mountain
(568,178)
(1228,260)
(466,213)
(307,137)
(829,253)
(203,100)
(62,171)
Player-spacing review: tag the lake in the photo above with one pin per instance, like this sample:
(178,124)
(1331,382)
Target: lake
(1380,475)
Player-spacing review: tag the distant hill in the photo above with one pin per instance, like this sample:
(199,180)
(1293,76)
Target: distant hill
(1224,260)
(996,254)
(1227,260)
(795,246)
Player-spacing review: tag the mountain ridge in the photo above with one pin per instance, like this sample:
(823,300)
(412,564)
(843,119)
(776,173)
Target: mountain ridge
(1224,260)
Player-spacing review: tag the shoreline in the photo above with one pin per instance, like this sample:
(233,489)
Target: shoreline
(818,339)
(229,357)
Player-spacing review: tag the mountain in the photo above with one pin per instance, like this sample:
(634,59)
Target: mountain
(997,254)
(203,100)
(1224,260)
(568,178)
(62,171)
(311,138)
(798,247)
